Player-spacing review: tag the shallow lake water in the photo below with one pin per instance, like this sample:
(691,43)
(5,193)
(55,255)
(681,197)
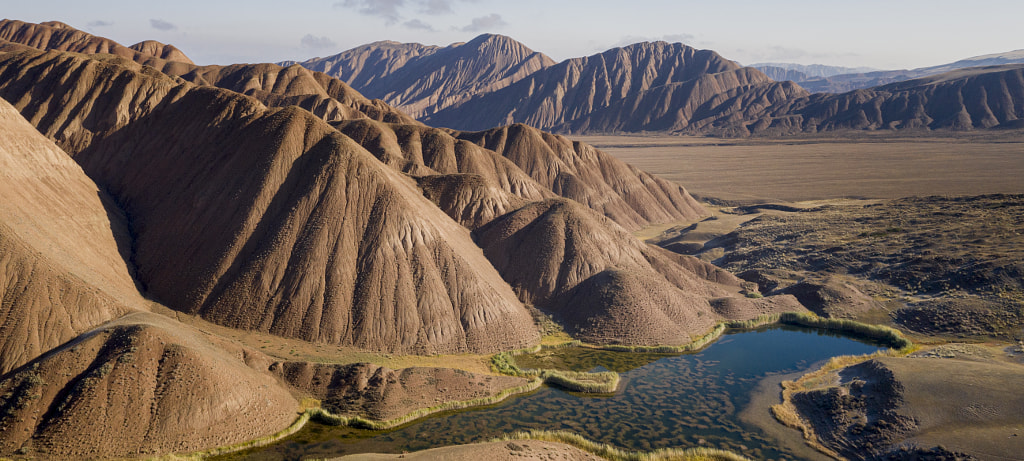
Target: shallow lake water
(680,401)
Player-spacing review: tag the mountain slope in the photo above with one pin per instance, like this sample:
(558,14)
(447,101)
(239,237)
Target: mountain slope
(571,91)
(322,242)
(850,81)
(62,244)
(630,197)
(160,386)
(966,99)
(421,80)
(604,285)
(58,36)
(273,85)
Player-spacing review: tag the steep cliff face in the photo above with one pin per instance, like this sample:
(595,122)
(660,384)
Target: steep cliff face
(288,226)
(422,80)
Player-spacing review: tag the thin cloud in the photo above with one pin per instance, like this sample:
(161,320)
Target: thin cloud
(436,7)
(159,24)
(484,23)
(99,23)
(416,24)
(314,42)
(385,9)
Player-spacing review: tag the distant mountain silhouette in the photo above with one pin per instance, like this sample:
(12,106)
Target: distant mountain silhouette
(964,99)
(861,79)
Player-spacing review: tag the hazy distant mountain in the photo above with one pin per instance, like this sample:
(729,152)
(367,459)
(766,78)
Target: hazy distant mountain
(422,80)
(809,70)
(841,83)
(963,99)
(653,86)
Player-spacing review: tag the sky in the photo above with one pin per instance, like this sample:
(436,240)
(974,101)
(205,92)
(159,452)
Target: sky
(889,34)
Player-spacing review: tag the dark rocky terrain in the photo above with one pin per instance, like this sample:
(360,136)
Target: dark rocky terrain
(935,265)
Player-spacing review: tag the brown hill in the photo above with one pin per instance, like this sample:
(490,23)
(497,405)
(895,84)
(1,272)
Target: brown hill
(317,240)
(965,99)
(630,197)
(160,50)
(557,96)
(273,85)
(139,386)
(62,37)
(600,282)
(61,247)
(421,80)
(381,393)
(276,86)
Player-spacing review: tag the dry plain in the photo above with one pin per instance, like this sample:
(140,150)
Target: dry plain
(814,167)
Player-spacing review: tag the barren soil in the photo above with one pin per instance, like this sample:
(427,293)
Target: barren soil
(959,400)
(518,450)
(863,165)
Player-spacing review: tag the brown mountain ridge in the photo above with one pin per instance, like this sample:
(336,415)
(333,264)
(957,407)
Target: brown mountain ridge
(226,193)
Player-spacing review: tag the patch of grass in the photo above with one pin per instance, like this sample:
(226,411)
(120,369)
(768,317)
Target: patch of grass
(262,441)
(598,383)
(890,337)
(613,453)
(326,417)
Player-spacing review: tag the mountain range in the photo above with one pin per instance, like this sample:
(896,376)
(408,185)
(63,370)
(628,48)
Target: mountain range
(839,80)
(141,189)
(655,86)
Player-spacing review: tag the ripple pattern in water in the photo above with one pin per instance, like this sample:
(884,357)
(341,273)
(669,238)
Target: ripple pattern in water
(673,401)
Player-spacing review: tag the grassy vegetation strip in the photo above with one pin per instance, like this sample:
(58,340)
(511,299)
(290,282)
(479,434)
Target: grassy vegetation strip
(262,441)
(617,454)
(323,416)
(700,342)
(883,334)
(604,382)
